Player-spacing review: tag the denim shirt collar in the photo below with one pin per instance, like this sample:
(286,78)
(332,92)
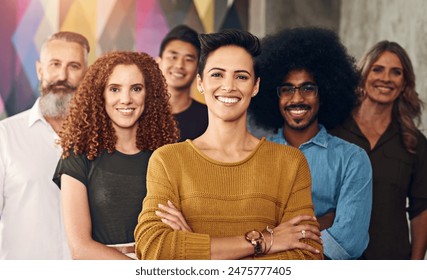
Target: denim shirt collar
(320,139)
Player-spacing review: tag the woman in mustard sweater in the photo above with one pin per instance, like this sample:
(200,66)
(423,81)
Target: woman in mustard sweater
(227,194)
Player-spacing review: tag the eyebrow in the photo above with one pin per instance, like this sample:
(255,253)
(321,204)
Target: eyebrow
(175,52)
(66,62)
(383,66)
(302,84)
(236,71)
(120,85)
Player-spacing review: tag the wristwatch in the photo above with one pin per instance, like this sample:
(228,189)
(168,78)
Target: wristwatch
(256,238)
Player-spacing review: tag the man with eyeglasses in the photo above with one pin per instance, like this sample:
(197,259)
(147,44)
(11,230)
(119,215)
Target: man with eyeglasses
(307,86)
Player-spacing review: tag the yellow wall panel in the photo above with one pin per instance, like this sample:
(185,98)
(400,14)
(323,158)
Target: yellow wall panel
(81,18)
(205,8)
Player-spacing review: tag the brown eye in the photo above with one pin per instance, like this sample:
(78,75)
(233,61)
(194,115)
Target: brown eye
(308,88)
(397,72)
(137,89)
(215,75)
(286,90)
(242,77)
(377,69)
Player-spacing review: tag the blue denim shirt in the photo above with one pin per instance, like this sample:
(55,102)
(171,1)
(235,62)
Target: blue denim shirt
(341,182)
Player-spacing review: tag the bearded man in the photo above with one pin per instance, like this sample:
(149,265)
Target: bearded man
(30,213)
(307,86)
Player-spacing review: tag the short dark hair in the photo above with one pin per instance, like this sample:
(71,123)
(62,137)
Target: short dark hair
(230,37)
(182,33)
(318,51)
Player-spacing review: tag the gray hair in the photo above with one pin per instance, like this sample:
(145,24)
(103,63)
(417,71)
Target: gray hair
(69,36)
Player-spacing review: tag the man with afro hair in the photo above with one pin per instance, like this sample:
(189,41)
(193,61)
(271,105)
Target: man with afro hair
(307,86)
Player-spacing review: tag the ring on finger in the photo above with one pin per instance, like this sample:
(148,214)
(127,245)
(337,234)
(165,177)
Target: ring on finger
(303,233)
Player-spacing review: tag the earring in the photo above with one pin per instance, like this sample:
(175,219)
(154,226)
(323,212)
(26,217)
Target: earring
(201,90)
(362,92)
(254,94)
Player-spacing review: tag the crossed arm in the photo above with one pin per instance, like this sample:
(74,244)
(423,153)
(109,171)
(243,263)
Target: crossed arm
(287,235)
(203,235)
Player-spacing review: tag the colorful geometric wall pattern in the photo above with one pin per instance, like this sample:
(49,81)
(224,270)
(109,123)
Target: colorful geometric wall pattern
(109,25)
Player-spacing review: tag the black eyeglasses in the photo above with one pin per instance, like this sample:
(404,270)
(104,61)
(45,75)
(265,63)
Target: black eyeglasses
(306,90)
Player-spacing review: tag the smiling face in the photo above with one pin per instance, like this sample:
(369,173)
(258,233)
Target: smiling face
(179,65)
(299,113)
(125,97)
(228,83)
(60,70)
(385,80)
(61,67)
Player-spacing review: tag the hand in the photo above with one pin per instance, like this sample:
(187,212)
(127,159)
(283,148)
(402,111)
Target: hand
(288,234)
(172,217)
(326,221)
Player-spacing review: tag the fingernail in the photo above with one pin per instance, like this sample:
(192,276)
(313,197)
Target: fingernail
(169,202)
(317,251)
(160,205)
(158,213)
(315,218)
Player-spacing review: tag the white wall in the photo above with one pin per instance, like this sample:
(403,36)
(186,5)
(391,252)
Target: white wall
(365,22)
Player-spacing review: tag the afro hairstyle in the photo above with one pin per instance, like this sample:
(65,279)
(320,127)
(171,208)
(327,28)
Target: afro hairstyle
(318,51)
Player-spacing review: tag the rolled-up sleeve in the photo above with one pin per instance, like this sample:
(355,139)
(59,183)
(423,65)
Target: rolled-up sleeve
(348,237)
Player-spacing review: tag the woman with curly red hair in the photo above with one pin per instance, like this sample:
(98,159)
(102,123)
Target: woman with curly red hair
(118,117)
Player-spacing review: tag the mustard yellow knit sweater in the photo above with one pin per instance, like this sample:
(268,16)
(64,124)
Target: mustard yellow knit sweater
(220,199)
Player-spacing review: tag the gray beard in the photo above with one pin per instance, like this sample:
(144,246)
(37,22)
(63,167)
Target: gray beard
(55,105)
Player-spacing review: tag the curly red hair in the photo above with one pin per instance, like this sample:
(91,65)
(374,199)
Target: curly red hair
(89,130)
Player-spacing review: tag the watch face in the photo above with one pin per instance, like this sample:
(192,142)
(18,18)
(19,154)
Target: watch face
(255,238)
(253,235)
